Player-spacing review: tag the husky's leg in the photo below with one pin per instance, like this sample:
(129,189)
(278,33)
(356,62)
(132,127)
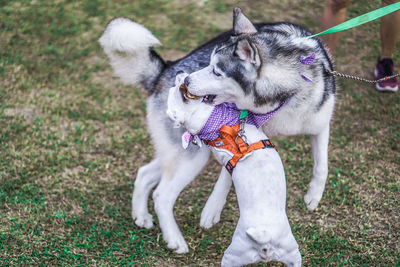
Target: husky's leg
(212,210)
(172,183)
(147,178)
(319,144)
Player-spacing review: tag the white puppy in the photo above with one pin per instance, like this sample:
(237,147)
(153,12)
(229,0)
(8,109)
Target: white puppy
(263,232)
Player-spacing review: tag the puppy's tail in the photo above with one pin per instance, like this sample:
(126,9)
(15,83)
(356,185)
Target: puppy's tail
(129,46)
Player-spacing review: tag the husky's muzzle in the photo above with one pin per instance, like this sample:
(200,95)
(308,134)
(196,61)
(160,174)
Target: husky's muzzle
(208,99)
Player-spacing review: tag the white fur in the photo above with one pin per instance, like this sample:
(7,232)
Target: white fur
(183,118)
(126,44)
(296,117)
(170,177)
(226,89)
(174,179)
(147,178)
(263,232)
(215,203)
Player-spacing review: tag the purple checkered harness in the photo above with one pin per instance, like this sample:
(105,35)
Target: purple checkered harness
(224,129)
(226,114)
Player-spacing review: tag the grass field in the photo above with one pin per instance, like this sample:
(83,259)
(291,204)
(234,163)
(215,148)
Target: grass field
(73,137)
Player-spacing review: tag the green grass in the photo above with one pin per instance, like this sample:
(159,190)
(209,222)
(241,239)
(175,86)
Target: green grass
(73,137)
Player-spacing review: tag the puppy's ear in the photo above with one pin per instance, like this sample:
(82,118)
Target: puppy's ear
(247,52)
(241,24)
(180,77)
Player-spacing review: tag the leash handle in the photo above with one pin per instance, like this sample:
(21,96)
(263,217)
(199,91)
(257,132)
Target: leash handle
(367,17)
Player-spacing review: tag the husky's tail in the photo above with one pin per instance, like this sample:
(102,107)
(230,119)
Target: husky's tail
(129,46)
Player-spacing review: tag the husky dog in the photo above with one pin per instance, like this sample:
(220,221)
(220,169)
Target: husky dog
(263,231)
(257,67)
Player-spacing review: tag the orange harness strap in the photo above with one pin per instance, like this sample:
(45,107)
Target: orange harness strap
(230,140)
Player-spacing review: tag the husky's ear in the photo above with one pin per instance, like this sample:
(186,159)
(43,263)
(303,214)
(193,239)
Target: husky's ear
(247,52)
(241,24)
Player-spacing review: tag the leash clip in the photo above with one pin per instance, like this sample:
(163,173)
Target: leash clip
(242,122)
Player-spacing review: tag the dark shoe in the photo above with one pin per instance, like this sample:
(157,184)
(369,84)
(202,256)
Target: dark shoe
(384,68)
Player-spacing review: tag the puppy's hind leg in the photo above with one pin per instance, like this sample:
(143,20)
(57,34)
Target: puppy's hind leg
(212,210)
(147,178)
(319,144)
(289,250)
(180,173)
(292,259)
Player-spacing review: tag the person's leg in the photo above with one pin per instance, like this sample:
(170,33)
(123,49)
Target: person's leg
(389,33)
(334,13)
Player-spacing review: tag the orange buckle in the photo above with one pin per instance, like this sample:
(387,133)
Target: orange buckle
(231,139)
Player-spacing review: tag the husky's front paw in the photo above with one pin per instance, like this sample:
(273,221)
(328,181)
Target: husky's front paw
(144,220)
(177,243)
(312,200)
(210,216)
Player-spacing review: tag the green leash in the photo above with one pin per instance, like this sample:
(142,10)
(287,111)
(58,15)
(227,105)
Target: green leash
(370,16)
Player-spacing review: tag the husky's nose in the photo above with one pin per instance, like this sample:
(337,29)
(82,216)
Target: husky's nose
(187,80)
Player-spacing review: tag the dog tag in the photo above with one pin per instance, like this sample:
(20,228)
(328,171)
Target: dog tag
(197,141)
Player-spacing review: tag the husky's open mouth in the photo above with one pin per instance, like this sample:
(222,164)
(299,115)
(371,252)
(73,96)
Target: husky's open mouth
(208,99)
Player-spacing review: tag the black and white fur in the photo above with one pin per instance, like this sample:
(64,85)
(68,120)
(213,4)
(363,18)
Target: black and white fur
(263,232)
(254,66)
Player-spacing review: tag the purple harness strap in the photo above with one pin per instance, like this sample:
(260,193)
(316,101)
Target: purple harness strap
(228,114)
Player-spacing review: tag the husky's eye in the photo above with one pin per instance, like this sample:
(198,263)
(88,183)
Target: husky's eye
(216,73)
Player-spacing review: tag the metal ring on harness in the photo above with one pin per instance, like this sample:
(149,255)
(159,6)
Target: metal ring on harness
(241,135)
(242,122)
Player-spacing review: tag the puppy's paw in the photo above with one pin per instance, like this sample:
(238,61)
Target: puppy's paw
(177,243)
(209,216)
(182,249)
(144,220)
(311,200)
